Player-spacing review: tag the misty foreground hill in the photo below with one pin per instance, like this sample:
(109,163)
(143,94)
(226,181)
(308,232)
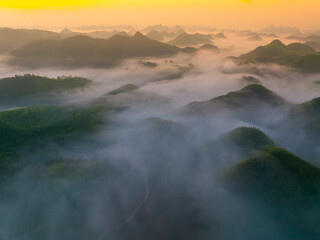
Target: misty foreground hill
(300,56)
(95,171)
(83,51)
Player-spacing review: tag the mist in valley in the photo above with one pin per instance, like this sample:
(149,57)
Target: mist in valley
(161,160)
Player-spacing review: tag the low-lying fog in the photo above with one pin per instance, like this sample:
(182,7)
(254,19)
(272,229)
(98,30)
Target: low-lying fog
(154,186)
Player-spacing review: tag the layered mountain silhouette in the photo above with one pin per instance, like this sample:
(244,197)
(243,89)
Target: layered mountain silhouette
(186,39)
(281,30)
(11,39)
(308,38)
(106,34)
(155,35)
(81,51)
(162,28)
(314,45)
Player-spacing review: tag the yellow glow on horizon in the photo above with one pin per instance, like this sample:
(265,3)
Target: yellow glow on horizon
(47,4)
(38,4)
(218,13)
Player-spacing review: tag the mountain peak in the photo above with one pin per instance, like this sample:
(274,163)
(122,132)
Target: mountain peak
(138,35)
(255,87)
(249,138)
(276,42)
(66,31)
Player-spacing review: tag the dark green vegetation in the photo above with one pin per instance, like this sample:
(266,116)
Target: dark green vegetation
(237,144)
(82,51)
(263,170)
(13,88)
(254,96)
(317,82)
(300,56)
(186,39)
(24,126)
(124,89)
(256,104)
(285,187)
(274,174)
(307,117)
(74,169)
(248,139)
(164,166)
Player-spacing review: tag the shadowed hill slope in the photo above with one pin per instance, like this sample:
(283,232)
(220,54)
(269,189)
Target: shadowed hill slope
(253,96)
(186,39)
(13,88)
(23,126)
(11,39)
(277,52)
(85,51)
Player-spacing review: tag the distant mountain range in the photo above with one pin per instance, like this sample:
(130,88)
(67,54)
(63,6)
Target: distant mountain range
(315,38)
(95,34)
(186,39)
(281,30)
(314,45)
(311,40)
(11,39)
(80,51)
(155,35)
(253,34)
(163,28)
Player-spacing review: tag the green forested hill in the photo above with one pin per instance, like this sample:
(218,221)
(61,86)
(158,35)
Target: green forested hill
(31,85)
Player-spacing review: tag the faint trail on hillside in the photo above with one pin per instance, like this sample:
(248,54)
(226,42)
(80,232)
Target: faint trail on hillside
(136,210)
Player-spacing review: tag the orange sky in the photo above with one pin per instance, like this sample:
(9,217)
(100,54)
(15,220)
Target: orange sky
(220,13)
